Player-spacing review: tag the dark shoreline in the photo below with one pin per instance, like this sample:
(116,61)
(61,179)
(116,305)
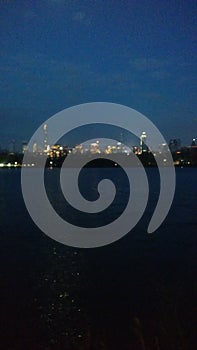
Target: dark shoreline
(147,159)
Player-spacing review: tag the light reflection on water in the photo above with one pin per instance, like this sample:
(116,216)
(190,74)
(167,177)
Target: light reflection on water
(56,297)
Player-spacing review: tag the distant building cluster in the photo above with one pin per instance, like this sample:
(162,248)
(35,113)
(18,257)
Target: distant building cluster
(182,155)
(95,148)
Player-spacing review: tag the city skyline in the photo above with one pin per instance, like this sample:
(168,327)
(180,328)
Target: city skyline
(43,145)
(122,137)
(96,145)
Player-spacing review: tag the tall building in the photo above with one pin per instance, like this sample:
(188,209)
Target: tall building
(143,146)
(24,146)
(35,147)
(45,137)
(174,145)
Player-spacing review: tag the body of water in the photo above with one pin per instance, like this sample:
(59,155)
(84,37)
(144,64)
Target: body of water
(137,293)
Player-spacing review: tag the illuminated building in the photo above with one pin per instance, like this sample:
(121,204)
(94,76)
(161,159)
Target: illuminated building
(78,149)
(119,148)
(24,146)
(45,137)
(35,147)
(136,150)
(143,146)
(57,151)
(94,148)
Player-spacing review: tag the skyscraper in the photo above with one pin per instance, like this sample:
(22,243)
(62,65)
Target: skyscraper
(45,137)
(35,147)
(24,147)
(143,146)
(174,145)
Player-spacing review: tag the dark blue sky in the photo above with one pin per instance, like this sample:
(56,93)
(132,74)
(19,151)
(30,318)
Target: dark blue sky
(58,53)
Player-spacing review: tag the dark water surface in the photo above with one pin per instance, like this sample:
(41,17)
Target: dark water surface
(138,293)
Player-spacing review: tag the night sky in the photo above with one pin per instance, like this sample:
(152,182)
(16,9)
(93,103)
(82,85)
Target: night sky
(58,53)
